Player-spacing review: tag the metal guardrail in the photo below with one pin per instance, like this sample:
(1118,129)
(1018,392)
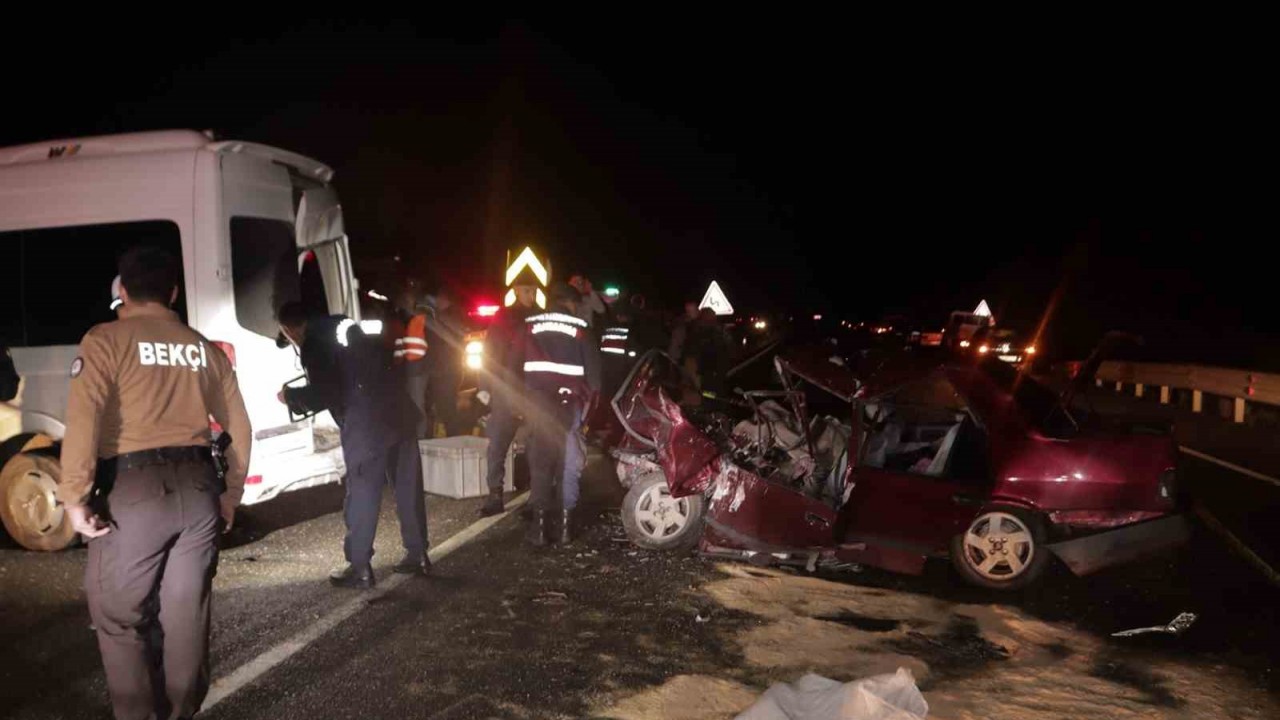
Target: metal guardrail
(1242,386)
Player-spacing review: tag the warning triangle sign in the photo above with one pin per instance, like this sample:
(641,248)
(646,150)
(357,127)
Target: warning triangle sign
(983,309)
(716,300)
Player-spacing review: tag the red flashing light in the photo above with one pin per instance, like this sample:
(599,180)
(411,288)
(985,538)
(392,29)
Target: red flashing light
(486,311)
(253,480)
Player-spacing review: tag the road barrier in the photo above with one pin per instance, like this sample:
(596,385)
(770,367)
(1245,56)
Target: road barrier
(1240,386)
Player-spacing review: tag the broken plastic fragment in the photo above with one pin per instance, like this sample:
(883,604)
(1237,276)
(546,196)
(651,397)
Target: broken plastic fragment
(1177,626)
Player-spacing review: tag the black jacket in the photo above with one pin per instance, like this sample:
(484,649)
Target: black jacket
(351,375)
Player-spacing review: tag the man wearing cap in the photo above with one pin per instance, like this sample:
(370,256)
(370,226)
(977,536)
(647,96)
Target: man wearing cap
(562,378)
(138,481)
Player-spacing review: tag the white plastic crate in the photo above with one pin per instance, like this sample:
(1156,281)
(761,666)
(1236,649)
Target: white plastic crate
(456,467)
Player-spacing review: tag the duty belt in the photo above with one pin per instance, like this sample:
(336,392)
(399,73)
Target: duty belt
(161,456)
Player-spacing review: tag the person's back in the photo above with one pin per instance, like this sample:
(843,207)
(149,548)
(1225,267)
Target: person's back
(139,481)
(351,375)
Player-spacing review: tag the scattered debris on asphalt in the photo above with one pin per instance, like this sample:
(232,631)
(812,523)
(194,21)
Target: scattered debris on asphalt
(813,697)
(1177,626)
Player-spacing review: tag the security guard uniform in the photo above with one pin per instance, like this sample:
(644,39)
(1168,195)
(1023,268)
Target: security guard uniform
(351,375)
(142,393)
(562,375)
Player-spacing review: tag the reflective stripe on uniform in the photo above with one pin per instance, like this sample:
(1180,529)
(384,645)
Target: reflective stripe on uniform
(554,367)
(557,317)
(614,350)
(559,327)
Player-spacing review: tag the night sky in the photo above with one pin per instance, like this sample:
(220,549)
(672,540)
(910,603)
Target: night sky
(934,169)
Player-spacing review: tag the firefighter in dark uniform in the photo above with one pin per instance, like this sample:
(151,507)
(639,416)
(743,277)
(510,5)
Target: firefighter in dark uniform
(352,376)
(562,379)
(138,480)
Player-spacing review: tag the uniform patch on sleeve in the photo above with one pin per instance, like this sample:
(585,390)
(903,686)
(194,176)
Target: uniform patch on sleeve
(76,366)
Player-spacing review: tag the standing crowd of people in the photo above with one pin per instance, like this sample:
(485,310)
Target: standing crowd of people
(158,442)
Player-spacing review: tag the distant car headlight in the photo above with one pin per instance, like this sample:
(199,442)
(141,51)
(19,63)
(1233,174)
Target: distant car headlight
(1031,349)
(475,347)
(964,343)
(983,349)
(475,362)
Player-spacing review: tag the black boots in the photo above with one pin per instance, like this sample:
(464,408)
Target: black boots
(566,524)
(493,505)
(359,578)
(540,528)
(536,535)
(414,564)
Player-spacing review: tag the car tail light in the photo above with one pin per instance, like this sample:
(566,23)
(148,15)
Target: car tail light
(229,350)
(253,480)
(485,310)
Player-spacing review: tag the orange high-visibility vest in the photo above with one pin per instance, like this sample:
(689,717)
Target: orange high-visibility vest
(412,345)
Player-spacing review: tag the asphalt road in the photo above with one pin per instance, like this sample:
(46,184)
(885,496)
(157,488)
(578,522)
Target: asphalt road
(508,631)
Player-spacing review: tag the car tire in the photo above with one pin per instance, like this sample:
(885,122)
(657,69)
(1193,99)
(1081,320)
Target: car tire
(28,509)
(656,521)
(1004,548)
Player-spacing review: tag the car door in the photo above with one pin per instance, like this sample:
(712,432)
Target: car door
(894,516)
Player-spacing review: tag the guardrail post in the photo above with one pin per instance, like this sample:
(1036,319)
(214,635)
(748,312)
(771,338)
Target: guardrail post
(1119,386)
(1164,394)
(1137,390)
(1239,410)
(1197,399)
(1097,382)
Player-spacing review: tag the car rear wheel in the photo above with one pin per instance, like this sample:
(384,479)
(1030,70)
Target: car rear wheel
(1003,549)
(655,520)
(28,508)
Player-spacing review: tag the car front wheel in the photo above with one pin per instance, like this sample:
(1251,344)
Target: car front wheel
(1003,549)
(655,520)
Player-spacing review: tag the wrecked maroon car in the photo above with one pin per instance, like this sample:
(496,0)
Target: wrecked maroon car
(889,467)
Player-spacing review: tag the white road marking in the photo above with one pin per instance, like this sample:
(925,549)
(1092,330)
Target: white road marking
(228,685)
(1230,466)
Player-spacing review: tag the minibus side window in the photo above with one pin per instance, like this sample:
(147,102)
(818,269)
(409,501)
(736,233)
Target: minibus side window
(55,283)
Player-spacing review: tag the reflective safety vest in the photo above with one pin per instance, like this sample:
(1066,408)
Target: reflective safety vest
(559,355)
(614,341)
(412,345)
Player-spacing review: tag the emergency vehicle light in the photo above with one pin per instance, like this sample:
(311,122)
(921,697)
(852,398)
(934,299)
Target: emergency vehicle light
(487,310)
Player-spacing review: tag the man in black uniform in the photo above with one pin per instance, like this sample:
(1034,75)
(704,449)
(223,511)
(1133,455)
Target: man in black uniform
(351,375)
(562,378)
